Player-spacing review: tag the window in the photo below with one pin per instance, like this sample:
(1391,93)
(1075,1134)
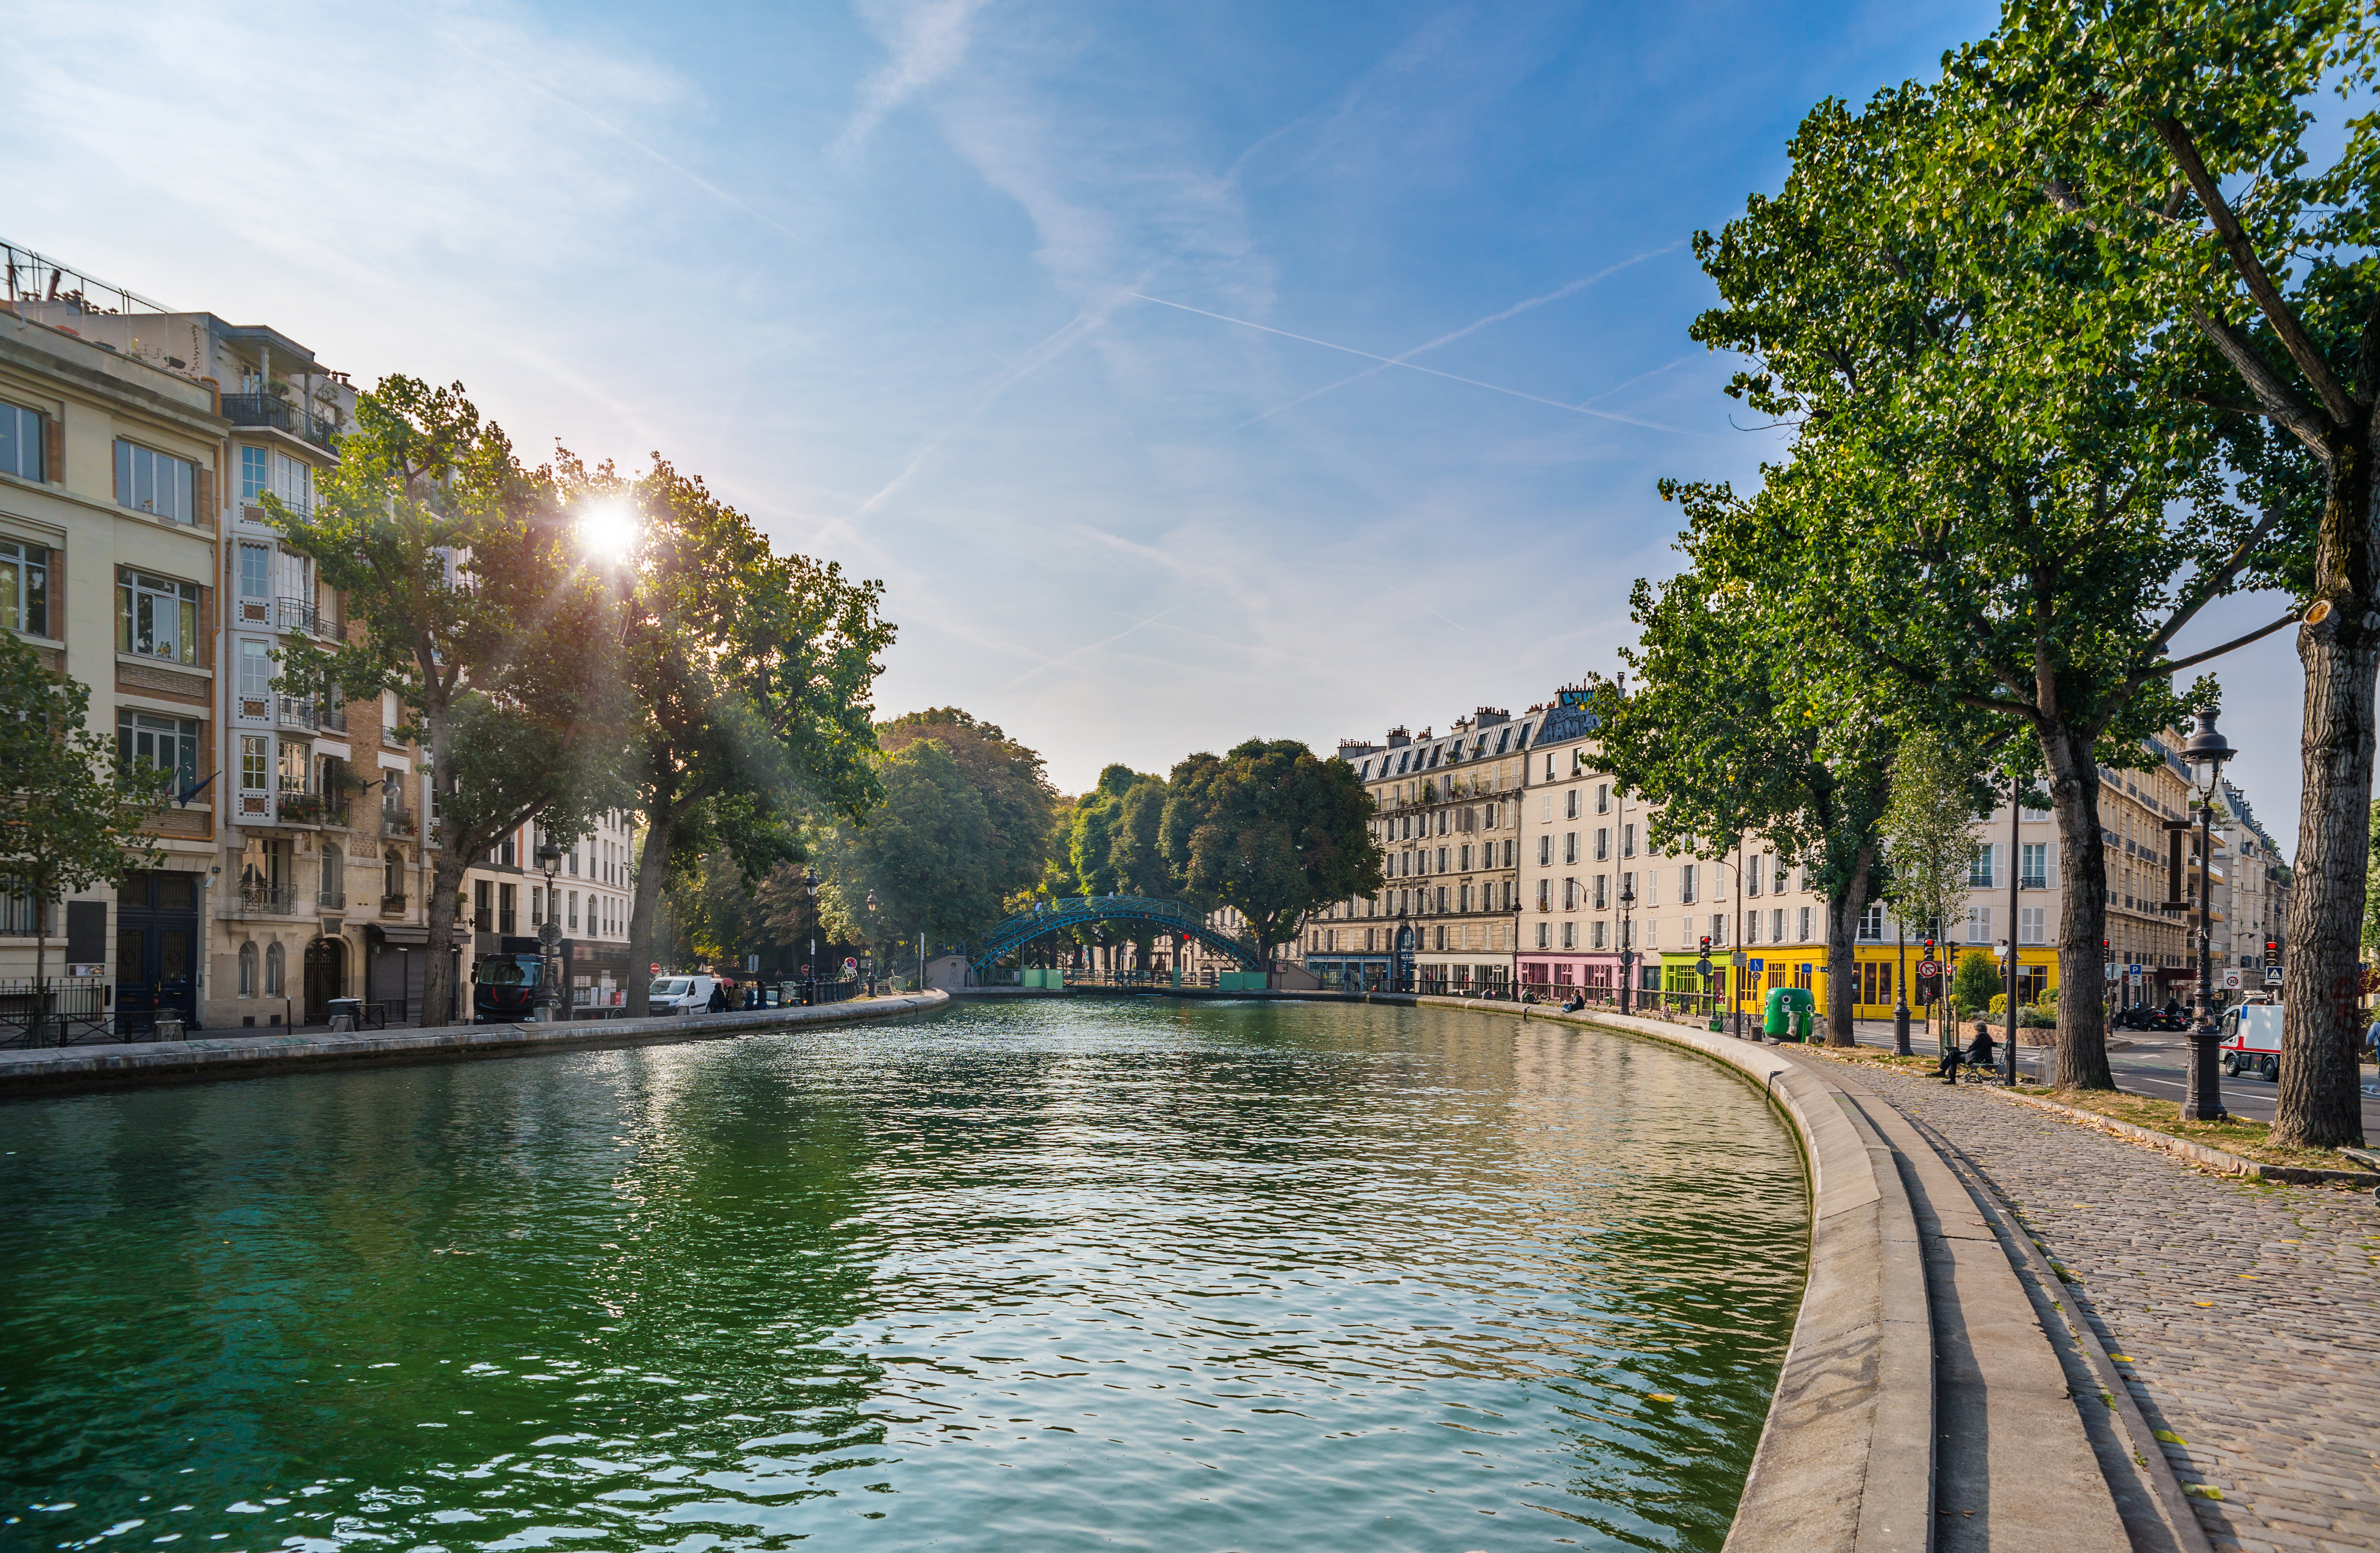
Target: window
(1570,846)
(255,571)
(22,441)
(392,875)
(293,481)
(2031,924)
(1980,875)
(1570,935)
(1603,797)
(573,911)
(150,481)
(1752,875)
(1628,840)
(1718,929)
(273,961)
(2034,866)
(1752,928)
(1602,934)
(1570,895)
(483,907)
(1979,924)
(1569,804)
(255,474)
(1602,896)
(248,970)
(147,742)
(1508,854)
(1544,851)
(507,907)
(24,588)
(156,617)
(1871,922)
(1545,935)
(1686,884)
(255,762)
(1652,887)
(1776,926)
(333,896)
(255,670)
(1802,926)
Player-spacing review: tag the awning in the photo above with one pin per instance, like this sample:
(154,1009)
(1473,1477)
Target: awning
(396,933)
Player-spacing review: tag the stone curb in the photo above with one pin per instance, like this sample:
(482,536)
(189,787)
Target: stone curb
(54,1070)
(2228,1164)
(1837,1465)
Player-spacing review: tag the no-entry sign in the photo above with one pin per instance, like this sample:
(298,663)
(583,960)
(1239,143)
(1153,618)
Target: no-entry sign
(1929,967)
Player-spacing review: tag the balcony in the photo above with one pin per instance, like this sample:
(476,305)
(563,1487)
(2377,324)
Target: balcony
(395,821)
(280,414)
(278,900)
(295,711)
(330,719)
(297,614)
(298,806)
(331,900)
(392,905)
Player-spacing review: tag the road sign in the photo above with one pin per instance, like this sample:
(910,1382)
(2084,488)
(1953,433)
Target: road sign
(1703,965)
(2113,970)
(1929,967)
(2273,977)
(2133,969)
(2231,981)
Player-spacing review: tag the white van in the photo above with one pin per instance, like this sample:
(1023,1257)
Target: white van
(2252,1040)
(680,994)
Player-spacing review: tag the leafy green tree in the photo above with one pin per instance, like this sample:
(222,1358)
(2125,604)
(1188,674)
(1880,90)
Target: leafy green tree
(750,672)
(1273,831)
(928,851)
(467,597)
(1985,507)
(2178,144)
(1008,776)
(70,814)
(1978,981)
(1090,835)
(1733,731)
(1928,827)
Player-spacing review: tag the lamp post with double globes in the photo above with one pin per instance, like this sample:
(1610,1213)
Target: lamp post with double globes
(868,962)
(1627,942)
(2205,753)
(551,1008)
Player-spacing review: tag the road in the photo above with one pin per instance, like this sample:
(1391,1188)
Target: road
(2153,1063)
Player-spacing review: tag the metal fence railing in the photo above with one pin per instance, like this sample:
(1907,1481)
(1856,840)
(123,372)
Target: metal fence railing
(67,1013)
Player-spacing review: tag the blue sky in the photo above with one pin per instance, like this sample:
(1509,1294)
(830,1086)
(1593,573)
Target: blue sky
(1067,321)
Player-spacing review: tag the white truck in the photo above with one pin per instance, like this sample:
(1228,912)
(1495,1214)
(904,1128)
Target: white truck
(2252,1040)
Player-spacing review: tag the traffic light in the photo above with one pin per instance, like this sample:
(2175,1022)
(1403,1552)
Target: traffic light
(1705,945)
(2272,953)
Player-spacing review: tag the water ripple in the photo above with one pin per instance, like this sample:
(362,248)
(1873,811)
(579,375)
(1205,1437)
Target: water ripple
(1062,1274)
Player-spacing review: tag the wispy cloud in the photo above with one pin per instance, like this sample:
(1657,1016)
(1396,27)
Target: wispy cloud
(1413,366)
(928,41)
(1515,311)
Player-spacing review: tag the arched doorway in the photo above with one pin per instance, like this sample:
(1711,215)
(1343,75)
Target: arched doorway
(326,977)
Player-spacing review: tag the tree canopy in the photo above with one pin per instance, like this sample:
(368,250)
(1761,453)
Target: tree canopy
(1270,829)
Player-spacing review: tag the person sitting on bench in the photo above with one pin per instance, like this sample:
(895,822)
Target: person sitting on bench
(1977,1055)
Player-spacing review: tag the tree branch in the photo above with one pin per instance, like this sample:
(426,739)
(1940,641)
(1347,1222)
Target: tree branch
(2213,582)
(2267,297)
(2177,666)
(2282,406)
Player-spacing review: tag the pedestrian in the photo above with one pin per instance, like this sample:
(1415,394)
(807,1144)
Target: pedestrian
(718,997)
(1978,1055)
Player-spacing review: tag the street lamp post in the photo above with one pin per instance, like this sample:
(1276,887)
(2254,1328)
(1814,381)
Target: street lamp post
(549,939)
(872,942)
(1627,942)
(2206,752)
(809,970)
(1900,992)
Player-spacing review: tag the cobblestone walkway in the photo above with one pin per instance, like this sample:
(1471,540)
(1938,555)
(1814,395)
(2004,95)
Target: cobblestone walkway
(2247,1316)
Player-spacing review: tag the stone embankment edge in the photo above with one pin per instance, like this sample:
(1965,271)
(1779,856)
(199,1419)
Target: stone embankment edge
(2216,1159)
(1846,1458)
(56,1070)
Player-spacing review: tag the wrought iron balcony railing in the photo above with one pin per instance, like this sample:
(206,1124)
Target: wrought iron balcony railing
(278,899)
(281,415)
(331,900)
(396,821)
(392,905)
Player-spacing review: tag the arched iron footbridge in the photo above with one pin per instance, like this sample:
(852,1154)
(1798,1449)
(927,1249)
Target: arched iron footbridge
(1082,911)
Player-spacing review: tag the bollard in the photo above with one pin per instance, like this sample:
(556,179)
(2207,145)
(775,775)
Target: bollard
(343,1023)
(171,1029)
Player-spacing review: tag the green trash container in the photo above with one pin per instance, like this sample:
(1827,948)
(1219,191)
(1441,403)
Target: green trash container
(1791,1013)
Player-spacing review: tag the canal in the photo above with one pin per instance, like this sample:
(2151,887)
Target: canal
(1060,1274)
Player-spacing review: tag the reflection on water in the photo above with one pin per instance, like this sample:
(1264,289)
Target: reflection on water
(1056,1275)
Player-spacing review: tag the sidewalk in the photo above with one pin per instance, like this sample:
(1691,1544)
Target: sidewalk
(2245,1316)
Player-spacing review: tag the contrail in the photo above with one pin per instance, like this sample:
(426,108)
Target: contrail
(1409,366)
(1086,647)
(1403,358)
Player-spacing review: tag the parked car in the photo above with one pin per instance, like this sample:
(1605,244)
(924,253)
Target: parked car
(680,994)
(2252,1040)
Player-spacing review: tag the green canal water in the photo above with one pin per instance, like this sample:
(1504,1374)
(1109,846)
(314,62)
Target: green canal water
(1056,1275)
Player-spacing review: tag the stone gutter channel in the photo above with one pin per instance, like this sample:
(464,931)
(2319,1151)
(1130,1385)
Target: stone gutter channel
(1938,1392)
(58,1070)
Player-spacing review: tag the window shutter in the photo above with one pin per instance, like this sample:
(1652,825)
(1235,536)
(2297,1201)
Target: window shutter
(54,449)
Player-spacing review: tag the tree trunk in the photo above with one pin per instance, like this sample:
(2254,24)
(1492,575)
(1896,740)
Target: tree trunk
(1842,960)
(34,1036)
(2320,1103)
(2071,756)
(440,985)
(438,911)
(653,866)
